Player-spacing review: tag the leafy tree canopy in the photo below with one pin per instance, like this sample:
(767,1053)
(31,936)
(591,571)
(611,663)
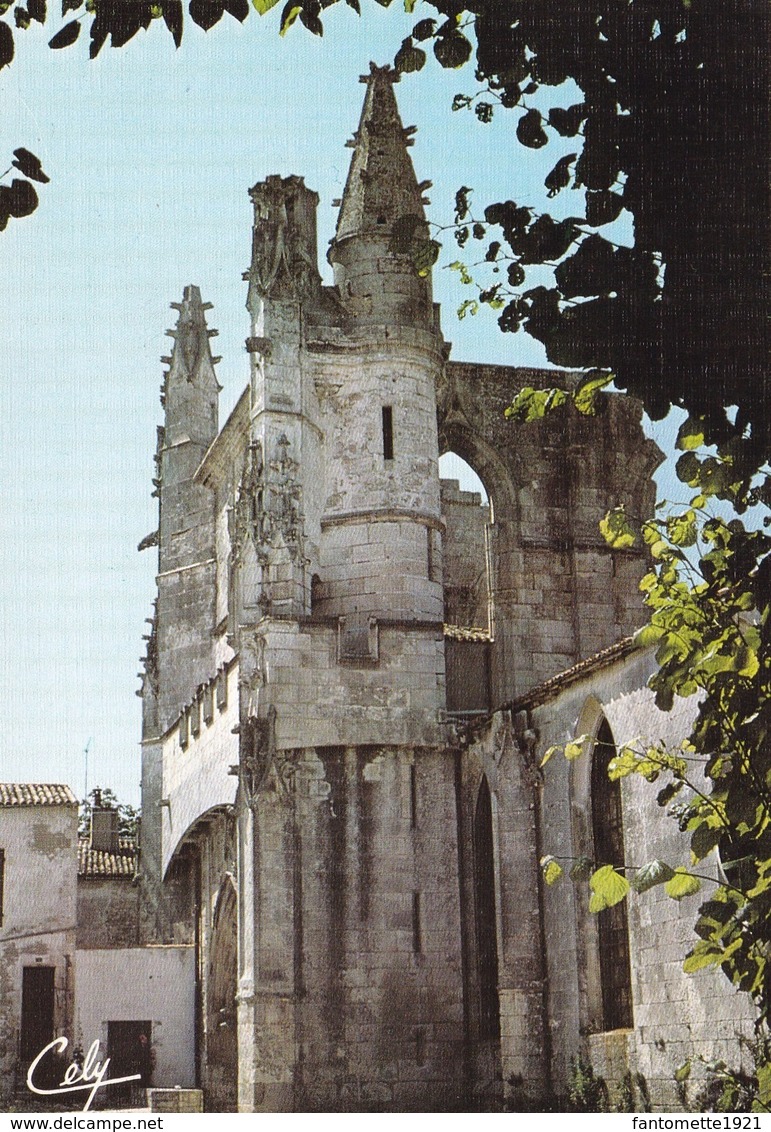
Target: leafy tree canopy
(103,798)
(671,126)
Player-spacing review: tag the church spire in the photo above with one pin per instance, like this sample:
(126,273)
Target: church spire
(190,386)
(382,198)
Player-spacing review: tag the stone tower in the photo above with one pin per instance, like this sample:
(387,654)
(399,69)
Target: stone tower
(357,870)
(184,616)
(350,968)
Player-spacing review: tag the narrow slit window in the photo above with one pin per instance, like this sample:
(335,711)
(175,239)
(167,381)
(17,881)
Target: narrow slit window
(413,797)
(417,927)
(388,432)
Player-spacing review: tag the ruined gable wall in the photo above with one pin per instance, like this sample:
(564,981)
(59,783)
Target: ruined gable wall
(560,593)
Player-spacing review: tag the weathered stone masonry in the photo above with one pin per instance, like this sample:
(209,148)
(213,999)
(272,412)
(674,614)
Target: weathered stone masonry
(359,878)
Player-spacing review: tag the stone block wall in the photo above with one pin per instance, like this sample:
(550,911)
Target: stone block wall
(108,912)
(466,568)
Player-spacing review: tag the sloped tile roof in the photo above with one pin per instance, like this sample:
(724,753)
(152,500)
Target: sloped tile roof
(552,687)
(96,863)
(36,794)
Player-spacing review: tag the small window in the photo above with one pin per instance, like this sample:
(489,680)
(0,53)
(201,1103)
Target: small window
(184,728)
(417,926)
(222,689)
(207,703)
(388,432)
(195,718)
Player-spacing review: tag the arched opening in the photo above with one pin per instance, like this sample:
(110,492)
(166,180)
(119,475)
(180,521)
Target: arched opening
(612,924)
(467,514)
(467,578)
(486,921)
(221,1021)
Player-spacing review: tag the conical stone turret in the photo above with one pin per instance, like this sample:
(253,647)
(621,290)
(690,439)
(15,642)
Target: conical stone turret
(381,214)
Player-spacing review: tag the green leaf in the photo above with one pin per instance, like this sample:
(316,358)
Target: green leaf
(576,747)
(617,530)
(704,954)
(608,888)
(409,58)
(452,51)
(682,884)
(581,869)
(173,19)
(552,869)
(289,15)
(589,389)
(763,1073)
(681,529)
(655,872)
(530,131)
(263,6)
(683,1072)
(690,435)
(533,404)
(704,840)
(423,29)
(20,199)
(559,178)
(67,36)
(549,753)
(205,13)
(602,207)
(567,122)
(238,9)
(29,165)
(424,255)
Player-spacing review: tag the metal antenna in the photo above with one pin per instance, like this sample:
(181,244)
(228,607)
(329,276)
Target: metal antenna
(85,759)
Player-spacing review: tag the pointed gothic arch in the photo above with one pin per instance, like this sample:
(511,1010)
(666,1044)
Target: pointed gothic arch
(612,923)
(486,928)
(599,835)
(222,985)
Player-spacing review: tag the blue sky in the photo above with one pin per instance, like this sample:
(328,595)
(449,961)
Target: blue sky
(151,152)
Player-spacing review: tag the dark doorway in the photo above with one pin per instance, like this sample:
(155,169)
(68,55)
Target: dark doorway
(37,1014)
(486,930)
(129,1048)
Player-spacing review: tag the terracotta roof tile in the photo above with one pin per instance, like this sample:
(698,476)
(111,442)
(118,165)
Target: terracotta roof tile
(96,863)
(550,688)
(36,794)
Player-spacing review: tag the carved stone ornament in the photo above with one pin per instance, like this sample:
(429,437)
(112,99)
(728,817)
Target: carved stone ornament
(268,505)
(247,519)
(257,754)
(280,263)
(285,501)
(269,247)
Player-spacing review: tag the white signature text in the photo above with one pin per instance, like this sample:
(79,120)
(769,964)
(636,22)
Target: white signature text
(90,1076)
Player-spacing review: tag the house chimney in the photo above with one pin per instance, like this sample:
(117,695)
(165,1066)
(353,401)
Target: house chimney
(104,829)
